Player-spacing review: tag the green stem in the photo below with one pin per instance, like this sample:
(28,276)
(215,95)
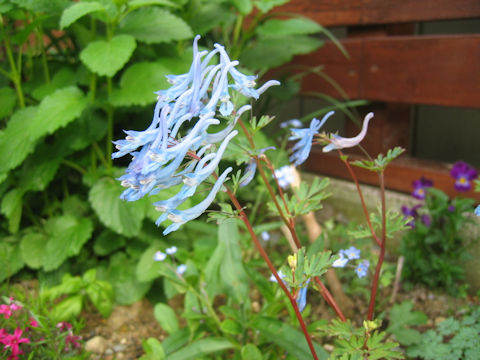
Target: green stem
(15,75)
(46,72)
(74,166)
(236,35)
(110,124)
(100,154)
(93,87)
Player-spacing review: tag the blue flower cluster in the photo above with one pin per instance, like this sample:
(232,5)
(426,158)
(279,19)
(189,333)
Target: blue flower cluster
(352,253)
(162,157)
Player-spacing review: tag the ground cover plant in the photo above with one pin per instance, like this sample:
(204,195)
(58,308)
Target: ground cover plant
(100,224)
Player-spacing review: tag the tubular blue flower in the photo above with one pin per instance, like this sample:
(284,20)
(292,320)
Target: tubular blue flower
(338,142)
(362,268)
(477,210)
(167,152)
(302,297)
(180,217)
(420,187)
(302,148)
(463,175)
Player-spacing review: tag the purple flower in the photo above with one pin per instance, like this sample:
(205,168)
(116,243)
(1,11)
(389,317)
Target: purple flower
(463,175)
(426,219)
(451,208)
(420,186)
(407,212)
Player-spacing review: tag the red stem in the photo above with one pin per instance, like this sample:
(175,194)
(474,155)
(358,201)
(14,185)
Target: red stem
(362,200)
(373,294)
(329,299)
(274,271)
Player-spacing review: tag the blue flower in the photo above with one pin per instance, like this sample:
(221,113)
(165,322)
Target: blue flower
(477,210)
(352,253)
(178,144)
(159,256)
(265,235)
(274,279)
(302,297)
(171,250)
(362,268)
(341,261)
(302,148)
(181,269)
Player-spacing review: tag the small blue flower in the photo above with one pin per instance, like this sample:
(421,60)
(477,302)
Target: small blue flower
(274,279)
(352,253)
(341,261)
(181,269)
(302,297)
(285,176)
(265,235)
(159,256)
(171,250)
(302,148)
(362,268)
(477,210)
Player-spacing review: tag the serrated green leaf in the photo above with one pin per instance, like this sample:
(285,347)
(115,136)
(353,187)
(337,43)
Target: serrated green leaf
(77,10)
(106,58)
(67,309)
(124,218)
(17,139)
(12,209)
(7,101)
(155,25)
(100,294)
(197,348)
(401,317)
(138,84)
(58,110)
(107,242)
(250,352)
(63,78)
(279,49)
(166,317)
(295,26)
(32,248)
(67,234)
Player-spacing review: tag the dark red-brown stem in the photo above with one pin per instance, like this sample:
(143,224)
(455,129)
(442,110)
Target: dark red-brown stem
(373,294)
(362,200)
(329,299)
(265,257)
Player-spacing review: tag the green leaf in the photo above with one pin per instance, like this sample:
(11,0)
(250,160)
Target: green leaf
(176,340)
(135,4)
(10,259)
(225,270)
(63,78)
(401,318)
(279,49)
(12,209)
(67,234)
(67,309)
(58,110)
(153,349)
(100,294)
(107,242)
(296,26)
(147,268)
(155,25)
(17,139)
(166,317)
(7,101)
(266,5)
(138,84)
(244,6)
(251,352)
(287,338)
(230,326)
(201,347)
(107,58)
(124,218)
(32,248)
(77,10)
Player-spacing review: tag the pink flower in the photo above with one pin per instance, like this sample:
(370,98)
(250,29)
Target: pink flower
(6,311)
(33,323)
(72,341)
(13,341)
(63,325)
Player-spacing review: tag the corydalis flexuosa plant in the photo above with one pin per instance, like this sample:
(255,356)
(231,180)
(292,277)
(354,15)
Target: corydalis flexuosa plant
(162,157)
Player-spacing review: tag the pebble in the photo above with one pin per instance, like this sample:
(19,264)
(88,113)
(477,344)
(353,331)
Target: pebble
(97,345)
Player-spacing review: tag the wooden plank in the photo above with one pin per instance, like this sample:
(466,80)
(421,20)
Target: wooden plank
(435,70)
(399,175)
(368,12)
